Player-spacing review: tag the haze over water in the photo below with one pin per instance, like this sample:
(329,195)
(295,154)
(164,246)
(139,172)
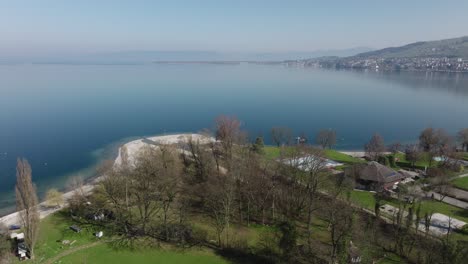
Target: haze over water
(64,118)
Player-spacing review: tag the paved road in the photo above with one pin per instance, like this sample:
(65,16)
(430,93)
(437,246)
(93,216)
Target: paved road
(450,200)
(461,176)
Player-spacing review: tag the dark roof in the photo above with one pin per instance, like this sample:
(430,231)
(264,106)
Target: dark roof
(377,172)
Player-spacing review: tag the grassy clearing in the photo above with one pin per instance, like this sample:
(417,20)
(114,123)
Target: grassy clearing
(363,199)
(273,152)
(367,200)
(461,183)
(423,162)
(53,230)
(106,254)
(391,258)
(465,156)
(341,157)
(443,208)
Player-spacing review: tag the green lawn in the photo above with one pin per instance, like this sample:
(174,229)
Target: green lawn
(366,200)
(446,209)
(465,156)
(391,258)
(273,152)
(102,254)
(461,183)
(341,157)
(423,162)
(363,199)
(55,228)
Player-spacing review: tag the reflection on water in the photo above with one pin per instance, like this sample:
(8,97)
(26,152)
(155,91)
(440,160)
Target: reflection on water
(62,115)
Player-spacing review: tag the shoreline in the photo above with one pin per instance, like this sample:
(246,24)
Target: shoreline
(133,147)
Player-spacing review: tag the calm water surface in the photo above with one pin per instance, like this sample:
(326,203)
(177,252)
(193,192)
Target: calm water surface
(65,118)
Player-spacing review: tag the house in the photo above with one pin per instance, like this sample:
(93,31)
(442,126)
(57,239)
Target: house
(374,176)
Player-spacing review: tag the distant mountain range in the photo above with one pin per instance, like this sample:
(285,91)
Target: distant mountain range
(451,48)
(148,56)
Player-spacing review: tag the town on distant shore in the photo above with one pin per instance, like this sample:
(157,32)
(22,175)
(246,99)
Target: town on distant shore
(450,55)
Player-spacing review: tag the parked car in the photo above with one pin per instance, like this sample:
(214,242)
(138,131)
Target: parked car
(15,227)
(75,228)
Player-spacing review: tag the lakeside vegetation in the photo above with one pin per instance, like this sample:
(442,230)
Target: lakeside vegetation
(231,201)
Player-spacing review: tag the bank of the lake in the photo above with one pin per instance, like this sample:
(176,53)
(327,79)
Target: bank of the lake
(63,117)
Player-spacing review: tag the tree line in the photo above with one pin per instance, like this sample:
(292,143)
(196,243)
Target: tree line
(161,192)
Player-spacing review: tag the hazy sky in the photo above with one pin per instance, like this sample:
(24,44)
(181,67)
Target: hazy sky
(62,26)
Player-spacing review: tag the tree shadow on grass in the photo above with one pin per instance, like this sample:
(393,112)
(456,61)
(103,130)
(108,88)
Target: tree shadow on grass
(462,213)
(242,257)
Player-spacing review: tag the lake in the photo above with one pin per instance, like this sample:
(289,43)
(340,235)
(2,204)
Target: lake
(66,118)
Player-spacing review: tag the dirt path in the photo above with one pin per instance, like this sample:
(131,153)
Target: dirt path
(71,251)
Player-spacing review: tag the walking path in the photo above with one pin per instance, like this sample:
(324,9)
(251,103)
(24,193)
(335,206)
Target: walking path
(71,251)
(461,176)
(450,200)
(44,210)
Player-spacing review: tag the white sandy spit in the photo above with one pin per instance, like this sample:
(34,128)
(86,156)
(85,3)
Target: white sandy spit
(133,149)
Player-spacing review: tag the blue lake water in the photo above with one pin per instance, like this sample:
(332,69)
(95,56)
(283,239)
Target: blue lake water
(65,118)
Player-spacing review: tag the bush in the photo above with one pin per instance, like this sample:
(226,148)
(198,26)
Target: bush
(383,160)
(391,160)
(199,235)
(5,250)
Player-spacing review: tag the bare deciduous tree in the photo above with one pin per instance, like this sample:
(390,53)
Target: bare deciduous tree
(26,204)
(326,138)
(54,198)
(435,142)
(375,147)
(463,138)
(428,139)
(281,135)
(412,154)
(395,147)
(228,132)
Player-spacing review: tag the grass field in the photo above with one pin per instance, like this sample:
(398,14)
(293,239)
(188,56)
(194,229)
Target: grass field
(341,157)
(273,152)
(53,230)
(106,254)
(423,162)
(367,200)
(363,199)
(461,183)
(465,156)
